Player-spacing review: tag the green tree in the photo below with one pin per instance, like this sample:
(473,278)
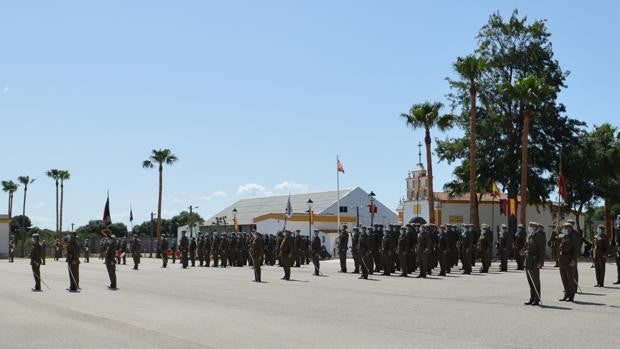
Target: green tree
(10,187)
(159,157)
(63,175)
(426,116)
(54,174)
(470,69)
(25,181)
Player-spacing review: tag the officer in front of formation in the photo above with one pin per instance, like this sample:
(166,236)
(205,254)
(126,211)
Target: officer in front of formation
(343,246)
(35,262)
(570,243)
(315,248)
(365,252)
(257,251)
(73,263)
(534,254)
(163,251)
(601,250)
(110,261)
(286,254)
(184,247)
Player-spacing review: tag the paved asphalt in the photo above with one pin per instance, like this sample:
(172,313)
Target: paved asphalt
(221,308)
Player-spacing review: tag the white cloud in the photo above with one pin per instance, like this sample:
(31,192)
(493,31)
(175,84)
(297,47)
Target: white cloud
(291,187)
(252,189)
(39,204)
(177,200)
(214,195)
(5,89)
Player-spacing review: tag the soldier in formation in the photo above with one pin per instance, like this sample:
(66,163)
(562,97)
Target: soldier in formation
(124,250)
(184,248)
(343,246)
(601,250)
(485,247)
(57,250)
(73,263)
(503,241)
(533,252)
(43,251)
(257,251)
(163,251)
(192,251)
(286,254)
(518,245)
(467,247)
(315,248)
(403,252)
(110,261)
(569,255)
(136,249)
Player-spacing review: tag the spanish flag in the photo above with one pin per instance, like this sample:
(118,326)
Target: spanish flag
(495,191)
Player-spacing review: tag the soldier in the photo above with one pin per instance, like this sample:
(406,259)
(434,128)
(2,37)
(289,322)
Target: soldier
(11,251)
(386,253)
(354,242)
(286,255)
(434,257)
(376,245)
(476,233)
(124,250)
(192,251)
(135,252)
(403,251)
(184,248)
(519,244)
(43,251)
(101,248)
(215,248)
(315,247)
(163,251)
(394,236)
(174,251)
(485,245)
(534,254)
(110,262)
(412,238)
(365,252)
(425,244)
(467,243)
(569,254)
(35,262)
(257,250)
(443,250)
(86,251)
(224,250)
(57,250)
(200,250)
(618,248)
(601,250)
(119,252)
(232,249)
(370,242)
(453,240)
(208,240)
(343,246)
(73,263)
(502,246)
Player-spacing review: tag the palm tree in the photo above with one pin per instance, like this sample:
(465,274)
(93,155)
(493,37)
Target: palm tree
(160,157)
(426,116)
(54,174)
(10,187)
(63,175)
(470,68)
(25,181)
(529,90)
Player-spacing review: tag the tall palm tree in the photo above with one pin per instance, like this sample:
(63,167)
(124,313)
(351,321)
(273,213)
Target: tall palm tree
(159,157)
(470,69)
(529,90)
(25,181)
(63,175)
(10,187)
(426,116)
(54,174)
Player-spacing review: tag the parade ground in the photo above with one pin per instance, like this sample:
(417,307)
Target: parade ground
(222,308)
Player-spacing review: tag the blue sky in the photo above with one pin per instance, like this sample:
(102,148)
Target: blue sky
(255,97)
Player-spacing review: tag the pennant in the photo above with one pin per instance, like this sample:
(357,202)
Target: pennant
(289,208)
(562,186)
(130,214)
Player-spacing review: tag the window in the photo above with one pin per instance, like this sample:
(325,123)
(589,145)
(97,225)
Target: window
(344,209)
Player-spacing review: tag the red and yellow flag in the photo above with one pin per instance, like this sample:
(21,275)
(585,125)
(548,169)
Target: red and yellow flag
(495,191)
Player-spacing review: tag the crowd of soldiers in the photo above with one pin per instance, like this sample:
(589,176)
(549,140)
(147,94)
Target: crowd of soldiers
(422,248)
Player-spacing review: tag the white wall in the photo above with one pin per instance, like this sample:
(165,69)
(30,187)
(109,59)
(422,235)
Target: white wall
(4,237)
(358,197)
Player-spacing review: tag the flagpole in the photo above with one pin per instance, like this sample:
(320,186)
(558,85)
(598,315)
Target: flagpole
(338,193)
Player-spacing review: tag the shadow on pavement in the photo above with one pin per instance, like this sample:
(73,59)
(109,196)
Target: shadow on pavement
(554,307)
(589,303)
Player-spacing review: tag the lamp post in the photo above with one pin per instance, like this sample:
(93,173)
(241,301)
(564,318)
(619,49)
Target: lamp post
(309,203)
(191,222)
(234,211)
(371,197)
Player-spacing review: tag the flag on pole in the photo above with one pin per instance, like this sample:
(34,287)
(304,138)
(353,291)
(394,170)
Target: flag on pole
(289,208)
(339,166)
(513,207)
(130,214)
(107,220)
(495,191)
(562,186)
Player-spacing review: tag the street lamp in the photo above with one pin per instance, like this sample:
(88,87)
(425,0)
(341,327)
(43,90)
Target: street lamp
(234,211)
(309,203)
(371,197)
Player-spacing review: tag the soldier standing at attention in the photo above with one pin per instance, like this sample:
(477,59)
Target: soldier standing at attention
(569,253)
(86,251)
(192,251)
(57,250)
(124,250)
(35,262)
(200,250)
(412,238)
(286,255)
(257,250)
(354,242)
(386,253)
(224,245)
(110,261)
(73,263)
(11,251)
(425,245)
(502,245)
(135,251)
(467,243)
(43,251)
(601,250)
(184,248)
(315,248)
(443,250)
(485,245)
(215,248)
(208,240)
(403,251)
(365,253)
(518,245)
(534,254)
(370,242)
(163,250)
(343,246)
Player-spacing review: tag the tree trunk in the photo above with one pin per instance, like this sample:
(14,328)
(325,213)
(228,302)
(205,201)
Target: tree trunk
(161,183)
(24,221)
(62,194)
(473,182)
(524,166)
(429,178)
(58,235)
(10,205)
(608,227)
